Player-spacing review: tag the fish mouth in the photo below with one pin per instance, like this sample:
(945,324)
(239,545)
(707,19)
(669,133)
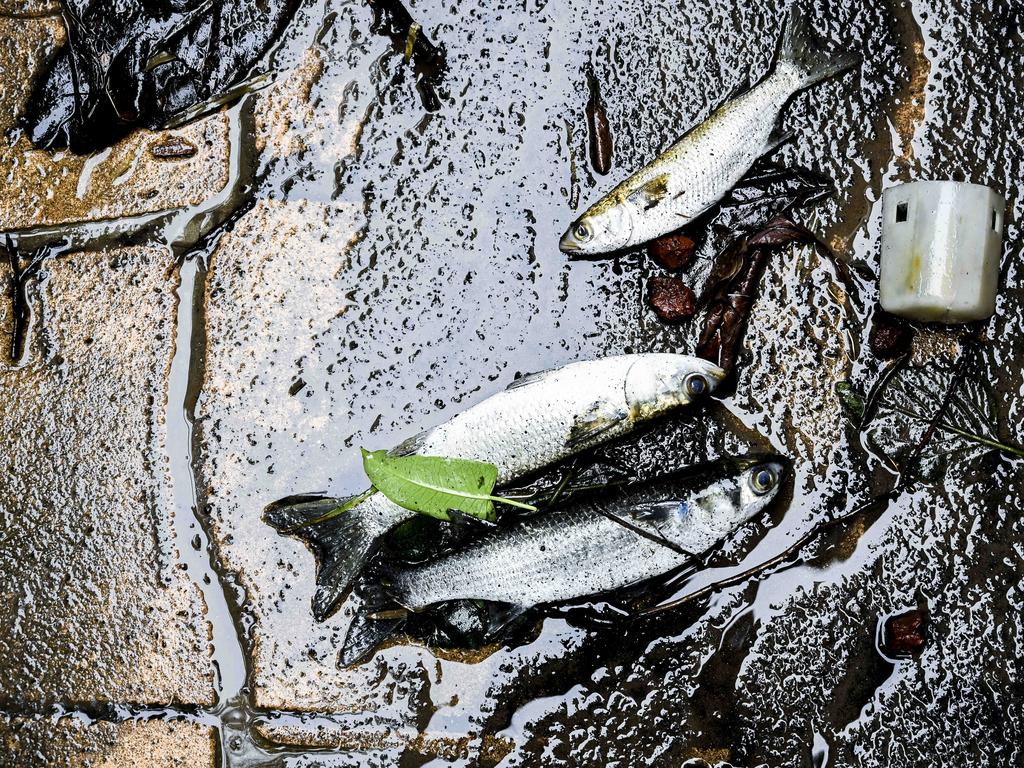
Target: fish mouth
(568,243)
(716,373)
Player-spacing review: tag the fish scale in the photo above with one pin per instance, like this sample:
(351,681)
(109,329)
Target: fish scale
(518,568)
(519,431)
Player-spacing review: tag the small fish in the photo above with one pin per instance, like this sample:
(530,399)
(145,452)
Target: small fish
(623,537)
(539,420)
(699,169)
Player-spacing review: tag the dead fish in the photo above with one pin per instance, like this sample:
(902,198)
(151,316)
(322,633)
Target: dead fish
(699,169)
(616,540)
(539,420)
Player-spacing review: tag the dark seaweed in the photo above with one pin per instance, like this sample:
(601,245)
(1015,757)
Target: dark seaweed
(728,313)
(130,63)
(769,190)
(706,247)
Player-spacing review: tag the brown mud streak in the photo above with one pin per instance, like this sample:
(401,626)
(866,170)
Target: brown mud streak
(297,739)
(909,104)
(906,112)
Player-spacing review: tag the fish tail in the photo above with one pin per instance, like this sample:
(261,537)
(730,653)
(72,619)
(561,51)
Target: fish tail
(378,617)
(799,50)
(342,544)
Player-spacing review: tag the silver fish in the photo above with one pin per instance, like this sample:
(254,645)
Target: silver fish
(577,552)
(698,170)
(539,420)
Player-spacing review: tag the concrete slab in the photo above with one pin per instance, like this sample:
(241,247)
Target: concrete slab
(93,606)
(42,743)
(125,180)
(96,605)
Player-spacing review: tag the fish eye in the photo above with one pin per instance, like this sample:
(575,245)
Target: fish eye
(763,480)
(582,232)
(696,385)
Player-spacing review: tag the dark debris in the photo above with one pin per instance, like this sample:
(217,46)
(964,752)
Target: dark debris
(672,299)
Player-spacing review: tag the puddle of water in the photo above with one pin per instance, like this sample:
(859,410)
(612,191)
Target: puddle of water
(191,537)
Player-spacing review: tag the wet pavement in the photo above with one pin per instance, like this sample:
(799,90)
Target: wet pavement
(96,608)
(395,266)
(39,743)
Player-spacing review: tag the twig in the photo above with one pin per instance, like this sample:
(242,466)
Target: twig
(781,557)
(660,540)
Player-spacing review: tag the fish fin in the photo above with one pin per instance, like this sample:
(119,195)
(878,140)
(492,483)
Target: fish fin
(341,544)
(378,617)
(500,616)
(777,138)
(527,379)
(599,418)
(738,90)
(460,623)
(651,193)
(410,445)
(658,512)
(469,523)
(799,49)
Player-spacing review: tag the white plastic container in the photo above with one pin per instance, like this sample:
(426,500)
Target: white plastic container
(941,243)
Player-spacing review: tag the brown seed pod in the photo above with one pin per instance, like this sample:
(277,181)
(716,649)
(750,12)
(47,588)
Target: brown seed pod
(598,128)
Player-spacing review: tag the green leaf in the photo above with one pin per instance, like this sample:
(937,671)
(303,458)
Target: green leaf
(433,485)
(851,401)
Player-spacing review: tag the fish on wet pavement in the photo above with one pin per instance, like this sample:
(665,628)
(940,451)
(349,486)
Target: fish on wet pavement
(697,171)
(539,420)
(617,539)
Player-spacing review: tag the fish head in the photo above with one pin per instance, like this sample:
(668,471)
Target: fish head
(659,383)
(734,490)
(714,500)
(758,480)
(602,229)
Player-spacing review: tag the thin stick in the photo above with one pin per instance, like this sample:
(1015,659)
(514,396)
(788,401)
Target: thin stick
(660,540)
(784,555)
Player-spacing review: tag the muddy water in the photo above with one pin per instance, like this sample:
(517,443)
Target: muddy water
(393,265)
